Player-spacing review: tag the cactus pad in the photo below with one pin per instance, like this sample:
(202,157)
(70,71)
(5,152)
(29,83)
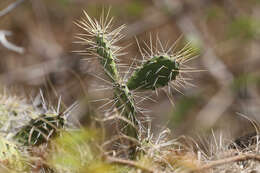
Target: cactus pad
(39,130)
(154,73)
(106,55)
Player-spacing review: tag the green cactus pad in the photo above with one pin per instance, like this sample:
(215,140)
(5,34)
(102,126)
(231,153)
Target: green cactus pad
(39,130)
(154,73)
(107,60)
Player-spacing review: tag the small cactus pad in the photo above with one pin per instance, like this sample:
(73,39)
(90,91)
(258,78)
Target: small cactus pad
(107,59)
(154,73)
(39,130)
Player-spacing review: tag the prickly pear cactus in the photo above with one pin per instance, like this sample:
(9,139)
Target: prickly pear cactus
(159,69)
(104,50)
(125,106)
(101,42)
(22,127)
(40,130)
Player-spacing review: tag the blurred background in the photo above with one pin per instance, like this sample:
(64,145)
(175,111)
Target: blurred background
(36,52)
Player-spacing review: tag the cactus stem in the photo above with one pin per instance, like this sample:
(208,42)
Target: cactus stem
(101,39)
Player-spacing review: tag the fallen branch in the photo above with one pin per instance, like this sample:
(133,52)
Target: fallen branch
(8,44)
(129,163)
(10,7)
(242,157)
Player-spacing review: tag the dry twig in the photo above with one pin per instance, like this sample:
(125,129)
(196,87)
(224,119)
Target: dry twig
(8,44)
(10,7)
(130,163)
(242,157)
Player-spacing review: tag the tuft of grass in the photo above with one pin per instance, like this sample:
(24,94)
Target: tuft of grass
(11,157)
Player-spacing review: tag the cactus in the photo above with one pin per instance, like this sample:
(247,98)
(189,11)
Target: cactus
(155,72)
(125,105)
(39,130)
(22,127)
(27,124)
(101,43)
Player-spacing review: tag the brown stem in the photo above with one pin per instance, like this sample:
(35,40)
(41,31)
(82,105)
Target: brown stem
(242,157)
(130,163)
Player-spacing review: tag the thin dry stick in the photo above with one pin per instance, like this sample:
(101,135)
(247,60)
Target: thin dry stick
(10,7)
(7,44)
(130,163)
(242,157)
